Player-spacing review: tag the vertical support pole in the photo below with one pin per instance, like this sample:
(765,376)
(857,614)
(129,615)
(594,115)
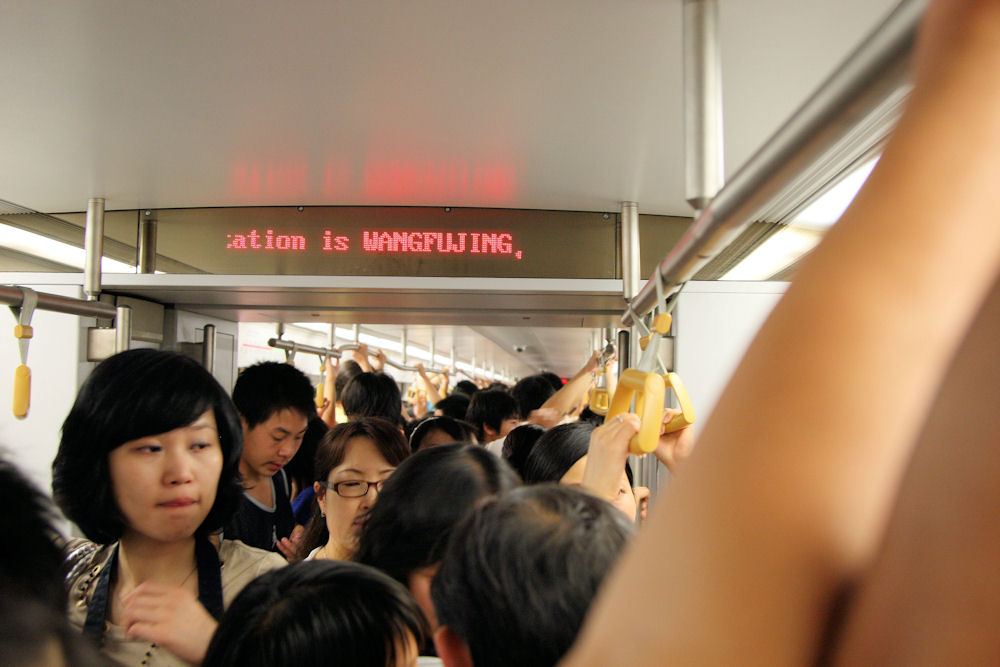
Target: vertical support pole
(357,332)
(333,335)
(404,339)
(453,366)
(281,329)
(630,269)
(123,328)
(146,247)
(208,348)
(93,247)
(433,363)
(703,136)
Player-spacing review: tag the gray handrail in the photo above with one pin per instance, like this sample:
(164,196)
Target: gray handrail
(12,296)
(292,346)
(867,78)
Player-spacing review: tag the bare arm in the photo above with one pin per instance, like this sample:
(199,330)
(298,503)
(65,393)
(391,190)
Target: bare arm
(430,388)
(787,494)
(567,398)
(329,414)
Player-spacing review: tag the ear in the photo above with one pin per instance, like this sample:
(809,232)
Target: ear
(642,500)
(451,648)
(490,434)
(320,490)
(243,423)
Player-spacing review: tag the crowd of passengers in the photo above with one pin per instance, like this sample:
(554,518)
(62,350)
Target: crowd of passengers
(265,529)
(840,508)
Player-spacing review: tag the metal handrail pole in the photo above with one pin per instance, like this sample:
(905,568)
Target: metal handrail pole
(869,76)
(12,296)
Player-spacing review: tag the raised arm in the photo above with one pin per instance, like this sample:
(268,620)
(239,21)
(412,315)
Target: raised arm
(787,494)
(569,396)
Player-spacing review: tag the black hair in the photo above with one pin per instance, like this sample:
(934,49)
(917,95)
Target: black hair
(453,405)
(317,613)
(423,500)
(557,450)
(300,467)
(458,431)
(31,629)
(130,395)
(372,395)
(530,393)
(348,369)
(32,561)
(467,387)
(520,573)
(490,408)
(269,387)
(554,380)
(588,415)
(497,386)
(519,443)
(330,453)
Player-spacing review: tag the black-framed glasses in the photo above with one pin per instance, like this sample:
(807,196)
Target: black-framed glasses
(354,488)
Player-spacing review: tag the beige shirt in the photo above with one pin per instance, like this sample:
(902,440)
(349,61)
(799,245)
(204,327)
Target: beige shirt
(240,565)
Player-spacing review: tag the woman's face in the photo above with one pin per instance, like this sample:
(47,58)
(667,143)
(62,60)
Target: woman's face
(345,516)
(165,484)
(625,500)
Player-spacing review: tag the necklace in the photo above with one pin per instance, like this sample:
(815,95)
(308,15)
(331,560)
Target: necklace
(153,646)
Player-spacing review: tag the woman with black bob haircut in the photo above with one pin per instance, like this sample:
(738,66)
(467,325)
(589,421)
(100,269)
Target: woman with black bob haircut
(426,497)
(147,467)
(318,613)
(560,455)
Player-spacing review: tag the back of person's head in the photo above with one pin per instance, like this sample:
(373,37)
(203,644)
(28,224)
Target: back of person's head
(319,613)
(453,405)
(426,496)
(467,387)
(347,371)
(557,450)
(31,561)
(530,393)
(554,380)
(520,573)
(300,467)
(33,634)
(131,395)
(519,443)
(372,395)
(269,387)
(490,407)
(497,386)
(591,417)
(439,431)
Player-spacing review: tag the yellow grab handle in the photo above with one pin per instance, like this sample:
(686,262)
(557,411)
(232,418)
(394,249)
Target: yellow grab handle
(22,391)
(649,390)
(320,397)
(661,325)
(600,401)
(686,417)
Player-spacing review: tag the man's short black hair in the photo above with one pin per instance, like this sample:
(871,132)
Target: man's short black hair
(467,387)
(518,445)
(457,430)
(317,612)
(519,574)
(131,395)
(348,369)
(373,395)
(453,405)
(530,393)
(269,387)
(490,407)
(423,500)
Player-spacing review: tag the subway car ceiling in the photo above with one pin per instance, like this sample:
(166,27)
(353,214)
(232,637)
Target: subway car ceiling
(558,110)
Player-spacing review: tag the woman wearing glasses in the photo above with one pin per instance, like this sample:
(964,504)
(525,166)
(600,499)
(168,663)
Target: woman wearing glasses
(352,462)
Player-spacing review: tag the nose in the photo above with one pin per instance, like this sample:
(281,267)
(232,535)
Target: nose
(287,448)
(370,496)
(177,467)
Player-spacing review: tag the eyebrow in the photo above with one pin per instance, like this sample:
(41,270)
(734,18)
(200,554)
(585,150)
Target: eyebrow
(355,470)
(203,424)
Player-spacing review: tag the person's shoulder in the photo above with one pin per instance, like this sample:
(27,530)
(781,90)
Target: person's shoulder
(495,446)
(81,556)
(239,559)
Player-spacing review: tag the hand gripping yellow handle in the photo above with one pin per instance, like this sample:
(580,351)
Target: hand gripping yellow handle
(648,389)
(686,417)
(22,391)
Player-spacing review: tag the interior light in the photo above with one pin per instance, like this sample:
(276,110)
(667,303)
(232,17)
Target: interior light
(43,247)
(804,231)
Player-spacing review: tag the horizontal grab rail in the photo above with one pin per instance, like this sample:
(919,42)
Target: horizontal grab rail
(292,346)
(867,78)
(13,296)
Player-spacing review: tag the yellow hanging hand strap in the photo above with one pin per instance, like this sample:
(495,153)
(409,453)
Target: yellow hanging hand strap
(23,332)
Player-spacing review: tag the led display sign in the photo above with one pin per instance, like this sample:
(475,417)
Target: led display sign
(390,242)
